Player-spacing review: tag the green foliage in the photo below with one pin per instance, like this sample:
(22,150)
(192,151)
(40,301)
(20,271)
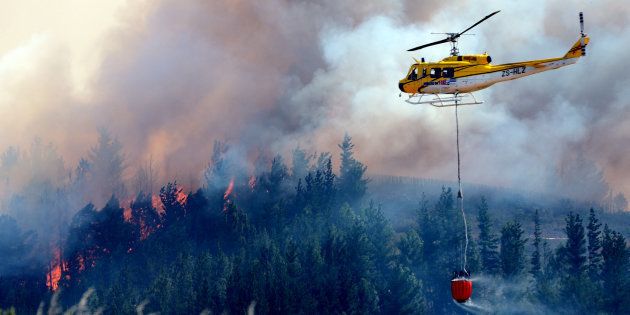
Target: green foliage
(410,246)
(405,294)
(488,241)
(574,251)
(9,311)
(298,243)
(173,208)
(300,164)
(594,246)
(512,249)
(352,185)
(536,263)
(441,231)
(615,268)
(105,168)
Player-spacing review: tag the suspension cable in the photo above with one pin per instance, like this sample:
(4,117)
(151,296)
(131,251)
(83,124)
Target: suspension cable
(460,195)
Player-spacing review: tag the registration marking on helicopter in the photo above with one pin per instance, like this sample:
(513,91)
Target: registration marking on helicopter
(513,71)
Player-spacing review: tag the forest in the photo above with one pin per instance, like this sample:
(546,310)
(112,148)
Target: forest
(297,237)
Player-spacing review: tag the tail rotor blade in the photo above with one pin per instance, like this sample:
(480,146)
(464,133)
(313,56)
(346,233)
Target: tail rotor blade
(583,46)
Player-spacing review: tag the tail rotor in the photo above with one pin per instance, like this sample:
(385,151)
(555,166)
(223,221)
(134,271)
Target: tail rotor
(582,34)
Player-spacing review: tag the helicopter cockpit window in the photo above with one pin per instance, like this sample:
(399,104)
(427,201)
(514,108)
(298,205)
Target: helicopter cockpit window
(424,72)
(435,73)
(448,72)
(414,74)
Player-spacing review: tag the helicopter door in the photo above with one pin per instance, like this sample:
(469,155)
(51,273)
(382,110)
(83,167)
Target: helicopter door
(448,72)
(435,73)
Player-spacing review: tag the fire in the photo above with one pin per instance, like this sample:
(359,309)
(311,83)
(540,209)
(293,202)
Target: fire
(181,197)
(229,189)
(156,202)
(57,266)
(127,214)
(227,194)
(252,182)
(127,210)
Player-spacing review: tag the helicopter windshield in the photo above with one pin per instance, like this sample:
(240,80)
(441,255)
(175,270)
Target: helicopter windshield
(413,74)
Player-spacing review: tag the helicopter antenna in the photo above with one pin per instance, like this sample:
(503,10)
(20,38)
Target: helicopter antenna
(452,37)
(582,34)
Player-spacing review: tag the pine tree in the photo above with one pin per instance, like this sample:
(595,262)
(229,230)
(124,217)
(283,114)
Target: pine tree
(594,246)
(575,247)
(410,246)
(300,164)
(15,245)
(171,197)
(218,173)
(80,252)
(488,241)
(536,253)
(572,257)
(352,185)
(615,266)
(512,249)
(144,216)
(405,293)
(107,165)
(473,263)
(381,246)
(112,232)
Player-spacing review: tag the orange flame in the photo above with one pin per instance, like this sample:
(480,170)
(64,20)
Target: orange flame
(127,210)
(56,267)
(156,202)
(227,194)
(181,197)
(229,189)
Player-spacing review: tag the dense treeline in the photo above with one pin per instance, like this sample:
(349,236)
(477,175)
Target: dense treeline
(304,240)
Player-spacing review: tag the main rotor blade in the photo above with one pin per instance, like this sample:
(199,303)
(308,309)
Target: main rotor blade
(446,40)
(487,17)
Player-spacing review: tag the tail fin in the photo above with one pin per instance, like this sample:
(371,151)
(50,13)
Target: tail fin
(578,49)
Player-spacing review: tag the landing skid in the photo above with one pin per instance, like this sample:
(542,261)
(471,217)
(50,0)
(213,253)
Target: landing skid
(437,101)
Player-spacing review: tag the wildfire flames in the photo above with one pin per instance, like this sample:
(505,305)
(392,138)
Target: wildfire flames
(57,266)
(127,210)
(55,269)
(181,197)
(227,194)
(229,189)
(156,202)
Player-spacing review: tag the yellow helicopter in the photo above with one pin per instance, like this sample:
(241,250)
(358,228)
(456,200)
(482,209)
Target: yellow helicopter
(459,75)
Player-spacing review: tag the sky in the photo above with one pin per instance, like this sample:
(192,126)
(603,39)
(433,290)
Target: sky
(167,78)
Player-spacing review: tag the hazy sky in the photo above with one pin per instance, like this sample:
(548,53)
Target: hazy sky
(169,77)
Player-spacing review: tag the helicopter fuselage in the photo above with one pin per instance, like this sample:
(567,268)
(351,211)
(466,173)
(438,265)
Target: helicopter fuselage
(469,73)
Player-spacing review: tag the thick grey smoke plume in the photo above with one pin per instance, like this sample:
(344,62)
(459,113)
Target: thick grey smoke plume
(171,76)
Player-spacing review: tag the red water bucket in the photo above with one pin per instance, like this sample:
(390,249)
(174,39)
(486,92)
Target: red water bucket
(461,289)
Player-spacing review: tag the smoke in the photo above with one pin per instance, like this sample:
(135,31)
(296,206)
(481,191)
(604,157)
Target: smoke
(169,77)
(499,296)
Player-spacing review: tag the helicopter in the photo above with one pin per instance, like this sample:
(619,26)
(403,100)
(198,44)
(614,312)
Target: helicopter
(457,76)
